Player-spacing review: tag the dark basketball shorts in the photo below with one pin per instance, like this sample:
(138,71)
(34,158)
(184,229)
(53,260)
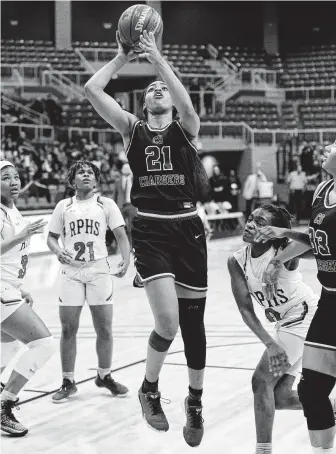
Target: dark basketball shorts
(171,245)
(322,330)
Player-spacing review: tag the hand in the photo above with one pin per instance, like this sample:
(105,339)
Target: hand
(149,47)
(125,51)
(64,256)
(268,232)
(270,278)
(277,360)
(33,228)
(27,297)
(122,269)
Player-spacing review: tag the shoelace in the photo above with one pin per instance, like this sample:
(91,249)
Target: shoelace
(8,413)
(154,401)
(195,414)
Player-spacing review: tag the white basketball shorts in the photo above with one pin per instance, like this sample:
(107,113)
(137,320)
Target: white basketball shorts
(291,331)
(91,282)
(11,299)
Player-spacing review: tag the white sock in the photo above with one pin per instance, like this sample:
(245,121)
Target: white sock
(264,448)
(69,375)
(103,372)
(6,395)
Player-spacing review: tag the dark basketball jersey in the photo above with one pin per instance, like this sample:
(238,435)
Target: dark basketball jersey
(322,228)
(163,165)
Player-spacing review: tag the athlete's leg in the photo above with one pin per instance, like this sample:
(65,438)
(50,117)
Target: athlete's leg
(69,318)
(27,327)
(162,298)
(9,348)
(318,380)
(319,373)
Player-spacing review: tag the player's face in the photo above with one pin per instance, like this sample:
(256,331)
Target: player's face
(329,158)
(10,183)
(85,178)
(258,218)
(158,99)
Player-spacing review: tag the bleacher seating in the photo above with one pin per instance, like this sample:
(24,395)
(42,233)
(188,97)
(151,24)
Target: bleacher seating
(318,113)
(243,57)
(39,52)
(288,115)
(188,58)
(81,114)
(310,67)
(257,114)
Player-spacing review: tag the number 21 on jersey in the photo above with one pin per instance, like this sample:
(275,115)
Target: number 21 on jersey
(319,241)
(158,159)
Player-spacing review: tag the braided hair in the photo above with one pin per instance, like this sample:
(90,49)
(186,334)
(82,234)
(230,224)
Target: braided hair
(78,165)
(280,218)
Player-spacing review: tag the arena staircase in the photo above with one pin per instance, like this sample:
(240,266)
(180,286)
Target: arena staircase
(29,114)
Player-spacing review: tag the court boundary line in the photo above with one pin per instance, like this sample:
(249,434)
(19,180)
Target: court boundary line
(134,363)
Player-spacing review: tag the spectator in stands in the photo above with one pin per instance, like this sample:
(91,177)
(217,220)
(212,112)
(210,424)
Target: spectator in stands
(122,196)
(209,97)
(251,189)
(296,180)
(234,188)
(38,105)
(194,91)
(54,110)
(218,184)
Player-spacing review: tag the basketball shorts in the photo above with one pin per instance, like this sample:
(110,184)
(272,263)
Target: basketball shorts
(171,245)
(290,332)
(91,282)
(322,331)
(11,299)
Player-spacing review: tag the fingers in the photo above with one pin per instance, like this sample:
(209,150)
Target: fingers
(278,364)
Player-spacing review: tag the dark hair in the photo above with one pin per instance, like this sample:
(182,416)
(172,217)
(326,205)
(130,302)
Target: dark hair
(280,218)
(78,165)
(143,98)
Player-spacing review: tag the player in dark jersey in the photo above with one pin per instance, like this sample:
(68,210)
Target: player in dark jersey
(319,356)
(168,235)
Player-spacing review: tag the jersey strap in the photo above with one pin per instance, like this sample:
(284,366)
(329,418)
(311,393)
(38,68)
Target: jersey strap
(322,188)
(132,135)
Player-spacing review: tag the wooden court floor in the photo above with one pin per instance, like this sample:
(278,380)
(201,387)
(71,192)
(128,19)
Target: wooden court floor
(94,422)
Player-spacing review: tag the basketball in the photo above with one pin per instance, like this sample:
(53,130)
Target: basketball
(134,21)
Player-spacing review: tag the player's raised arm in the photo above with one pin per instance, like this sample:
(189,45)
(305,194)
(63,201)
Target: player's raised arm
(103,103)
(180,97)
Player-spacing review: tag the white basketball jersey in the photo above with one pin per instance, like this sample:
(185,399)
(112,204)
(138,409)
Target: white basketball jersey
(13,262)
(82,225)
(291,291)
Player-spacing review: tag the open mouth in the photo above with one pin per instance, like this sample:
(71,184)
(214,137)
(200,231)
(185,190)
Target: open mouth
(158,95)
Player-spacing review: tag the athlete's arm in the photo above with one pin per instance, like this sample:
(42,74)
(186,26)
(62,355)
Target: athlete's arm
(103,103)
(31,229)
(278,361)
(62,254)
(180,97)
(125,249)
(268,232)
(244,302)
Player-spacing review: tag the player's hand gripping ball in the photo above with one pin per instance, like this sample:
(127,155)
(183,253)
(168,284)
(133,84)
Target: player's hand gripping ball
(134,21)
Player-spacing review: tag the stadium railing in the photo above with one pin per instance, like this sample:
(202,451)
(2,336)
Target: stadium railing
(210,129)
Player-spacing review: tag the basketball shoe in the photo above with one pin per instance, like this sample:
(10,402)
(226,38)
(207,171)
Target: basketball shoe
(9,423)
(117,389)
(193,430)
(152,411)
(2,386)
(67,390)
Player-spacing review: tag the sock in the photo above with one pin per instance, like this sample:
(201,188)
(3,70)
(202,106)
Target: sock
(316,450)
(103,372)
(264,448)
(195,394)
(6,395)
(69,375)
(148,386)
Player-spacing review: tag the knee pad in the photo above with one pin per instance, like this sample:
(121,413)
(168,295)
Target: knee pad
(191,313)
(38,353)
(314,389)
(158,343)
(8,351)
